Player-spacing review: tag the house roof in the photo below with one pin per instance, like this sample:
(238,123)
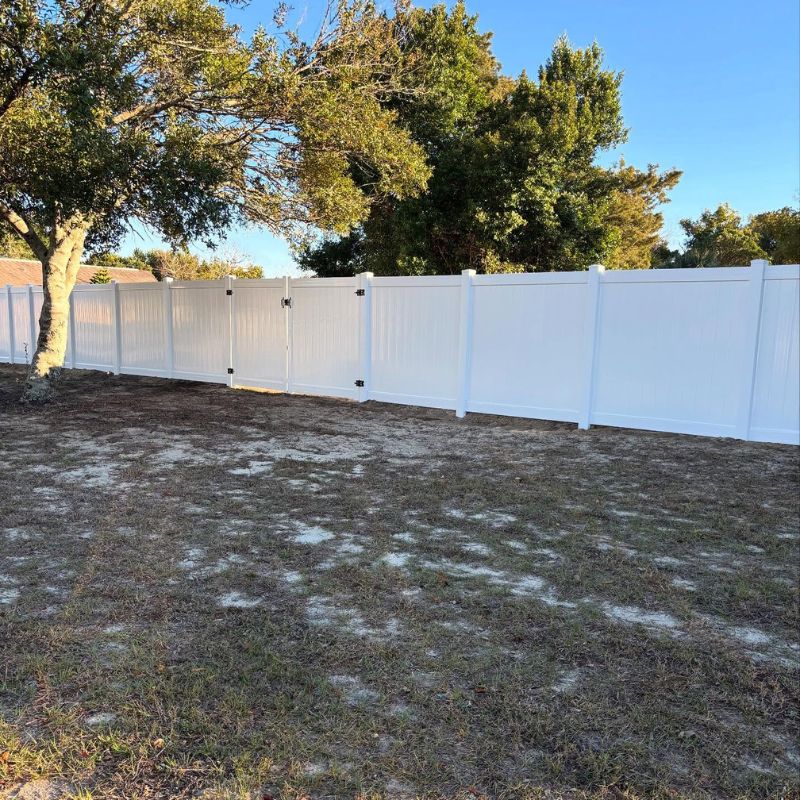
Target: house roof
(21,272)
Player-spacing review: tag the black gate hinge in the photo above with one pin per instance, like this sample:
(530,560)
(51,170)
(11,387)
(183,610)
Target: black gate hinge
(286,302)
(230,370)
(229,292)
(361,292)
(359,383)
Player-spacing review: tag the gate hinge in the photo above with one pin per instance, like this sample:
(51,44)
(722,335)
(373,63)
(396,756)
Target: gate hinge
(361,292)
(230,370)
(229,292)
(286,302)
(359,383)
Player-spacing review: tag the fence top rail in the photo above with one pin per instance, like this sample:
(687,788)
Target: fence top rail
(94,287)
(531,278)
(323,282)
(259,283)
(411,281)
(782,272)
(219,284)
(156,286)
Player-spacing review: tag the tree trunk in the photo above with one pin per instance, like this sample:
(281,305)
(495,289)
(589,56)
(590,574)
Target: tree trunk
(59,272)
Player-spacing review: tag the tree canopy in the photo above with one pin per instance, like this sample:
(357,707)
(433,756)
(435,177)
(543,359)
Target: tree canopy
(160,111)
(720,238)
(515,183)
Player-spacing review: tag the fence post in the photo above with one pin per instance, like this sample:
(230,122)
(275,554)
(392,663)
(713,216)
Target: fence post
(117,321)
(73,347)
(755,297)
(287,331)
(32,322)
(12,343)
(592,318)
(364,289)
(170,365)
(229,291)
(464,340)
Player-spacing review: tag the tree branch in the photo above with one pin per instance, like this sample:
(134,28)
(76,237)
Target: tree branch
(21,227)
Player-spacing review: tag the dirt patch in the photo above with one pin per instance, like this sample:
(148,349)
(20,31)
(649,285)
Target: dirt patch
(217,594)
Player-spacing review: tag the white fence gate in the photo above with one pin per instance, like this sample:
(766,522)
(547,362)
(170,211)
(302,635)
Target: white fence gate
(704,351)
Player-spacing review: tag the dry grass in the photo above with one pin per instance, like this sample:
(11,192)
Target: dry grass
(217,594)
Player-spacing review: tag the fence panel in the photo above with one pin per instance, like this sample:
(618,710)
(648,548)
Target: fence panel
(93,312)
(527,345)
(414,344)
(201,330)
(260,333)
(143,329)
(775,413)
(651,370)
(24,341)
(711,351)
(323,337)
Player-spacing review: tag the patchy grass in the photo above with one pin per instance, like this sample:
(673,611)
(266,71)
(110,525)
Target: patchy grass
(217,594)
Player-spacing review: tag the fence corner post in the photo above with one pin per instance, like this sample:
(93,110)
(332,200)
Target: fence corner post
(12,344)
(32,321)
(592,318)
(168,346)
(364,290)
(755,297)
(467,292)
(117,321)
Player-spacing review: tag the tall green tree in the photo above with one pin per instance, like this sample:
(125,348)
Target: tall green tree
(778,234)
(719,239)
(160,111)
(634,217)
(515,183)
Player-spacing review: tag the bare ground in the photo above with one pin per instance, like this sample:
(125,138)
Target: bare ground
(214,593)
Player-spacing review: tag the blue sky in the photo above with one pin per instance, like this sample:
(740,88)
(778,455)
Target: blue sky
(711,87)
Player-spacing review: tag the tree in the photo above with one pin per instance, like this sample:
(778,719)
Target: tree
(137,260)
(158,110)
(101,276)
(778,234)
(515,185)
(634,217)
(718,239)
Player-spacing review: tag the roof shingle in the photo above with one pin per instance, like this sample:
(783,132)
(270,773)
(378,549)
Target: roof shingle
(21,272)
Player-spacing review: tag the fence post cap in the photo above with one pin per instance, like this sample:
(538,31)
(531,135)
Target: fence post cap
(168,279)
(471,272)
(757,262)
(597,267)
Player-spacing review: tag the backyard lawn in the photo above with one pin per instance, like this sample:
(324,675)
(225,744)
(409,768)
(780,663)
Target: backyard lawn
(229,594)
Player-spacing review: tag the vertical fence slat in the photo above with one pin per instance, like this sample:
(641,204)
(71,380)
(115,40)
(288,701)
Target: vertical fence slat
(31,323)
(116,319)
(12,340)
(169,349)
(466,305)
(592,317)
(755,297)
(364,284)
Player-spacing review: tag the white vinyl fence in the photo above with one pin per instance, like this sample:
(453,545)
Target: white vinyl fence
(702,351)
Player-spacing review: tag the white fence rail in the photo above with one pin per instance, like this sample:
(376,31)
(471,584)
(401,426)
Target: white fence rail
(703,351)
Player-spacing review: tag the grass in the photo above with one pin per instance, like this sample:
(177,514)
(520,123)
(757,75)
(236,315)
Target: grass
(217,594)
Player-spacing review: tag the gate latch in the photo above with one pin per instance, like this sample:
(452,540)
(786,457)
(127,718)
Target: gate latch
(286,302)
